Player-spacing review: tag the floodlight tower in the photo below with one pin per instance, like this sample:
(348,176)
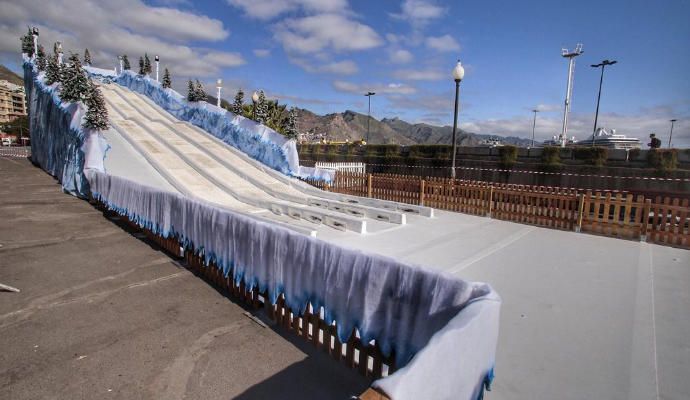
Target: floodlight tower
(570,55)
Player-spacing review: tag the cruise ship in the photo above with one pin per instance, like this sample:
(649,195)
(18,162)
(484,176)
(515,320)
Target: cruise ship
(610,139)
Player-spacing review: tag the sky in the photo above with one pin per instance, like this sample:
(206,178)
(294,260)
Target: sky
(325,54)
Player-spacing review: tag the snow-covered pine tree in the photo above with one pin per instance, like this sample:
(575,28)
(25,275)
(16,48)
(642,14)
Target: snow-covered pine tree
(75,84)
(147,64)
(166,79)
(125,62)
(291,128)
(87,57)
(55,48)
(52,70)
(237,105)
(41,58)
(190,91)
(28,44)
(142,71)
(261,108)
(96,117)
(199,92)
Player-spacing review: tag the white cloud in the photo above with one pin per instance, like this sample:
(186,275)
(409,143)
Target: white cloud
(127,26)
(345,67)
(325,32)
(378,88)
(269,9)
(261,52)
(442,43)
(400,56)
(419,12)
(420,75)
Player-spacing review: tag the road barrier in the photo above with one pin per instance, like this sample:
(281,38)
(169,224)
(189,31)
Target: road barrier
(19,152)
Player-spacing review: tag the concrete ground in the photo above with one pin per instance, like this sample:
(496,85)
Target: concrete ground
(103,314)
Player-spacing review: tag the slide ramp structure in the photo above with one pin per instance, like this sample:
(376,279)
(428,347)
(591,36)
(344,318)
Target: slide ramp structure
(198,164)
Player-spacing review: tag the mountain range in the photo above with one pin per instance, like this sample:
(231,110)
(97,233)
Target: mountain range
(352,126)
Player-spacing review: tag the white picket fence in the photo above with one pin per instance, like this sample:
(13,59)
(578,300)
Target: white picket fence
(342,166)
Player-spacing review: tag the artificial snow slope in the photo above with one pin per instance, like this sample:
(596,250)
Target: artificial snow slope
(199,165)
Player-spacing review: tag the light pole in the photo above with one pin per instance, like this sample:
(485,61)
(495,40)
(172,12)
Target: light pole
(671,135)
(157,67)
(603,65)
(122,66)
(570,55)
(534,125)
(458,74)
(34,33)
(219,84)
(369,94)
(255,99)
(59,50)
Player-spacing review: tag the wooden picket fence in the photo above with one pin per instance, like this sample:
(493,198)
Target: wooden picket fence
(610,213)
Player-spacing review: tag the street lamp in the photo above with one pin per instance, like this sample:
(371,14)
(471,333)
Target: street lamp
(671,135)
(458,74)
(570,55)
(219,85)
(122,66)
(534,125)
(255,99)
(34,33)
(157,66)
(603,65)
(369,94)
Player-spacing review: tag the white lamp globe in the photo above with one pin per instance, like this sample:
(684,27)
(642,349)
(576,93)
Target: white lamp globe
(255,97)
(220,82)
(458,72)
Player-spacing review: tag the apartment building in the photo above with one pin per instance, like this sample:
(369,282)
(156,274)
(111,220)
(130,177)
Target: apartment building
(12,101)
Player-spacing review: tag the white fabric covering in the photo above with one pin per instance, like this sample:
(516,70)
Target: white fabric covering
(398,305)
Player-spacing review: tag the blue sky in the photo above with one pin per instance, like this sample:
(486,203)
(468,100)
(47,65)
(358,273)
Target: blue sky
(325,54)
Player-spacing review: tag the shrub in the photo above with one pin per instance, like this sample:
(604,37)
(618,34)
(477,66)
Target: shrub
(508,156)
(551,158)
(665,160)
(633,154)
(431,150)
(592,155)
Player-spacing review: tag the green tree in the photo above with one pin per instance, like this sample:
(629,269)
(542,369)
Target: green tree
(166,79)
(52,70)
(75,84)
(147,65)
(28,44)
(191,96)
(41,59)
(96,117)
(261,114)
(125,62)
(142,71)
(238,104)
(291,126)
(199,93)
(87,57)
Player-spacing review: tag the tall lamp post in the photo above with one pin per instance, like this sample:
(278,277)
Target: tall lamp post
(122,65)
(603,65)
(255,99)
(570,55)
(219,85)
(157,67)
(534,124)
(34,33)
(369,94)
(458,74)
(671,135)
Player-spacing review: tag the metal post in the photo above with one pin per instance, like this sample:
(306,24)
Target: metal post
(671,135)
(122,65)
(569,91)
(35,45)
(534,125)
(157,68)
(455,127)
(603,65)
(218,99)
(369,94)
